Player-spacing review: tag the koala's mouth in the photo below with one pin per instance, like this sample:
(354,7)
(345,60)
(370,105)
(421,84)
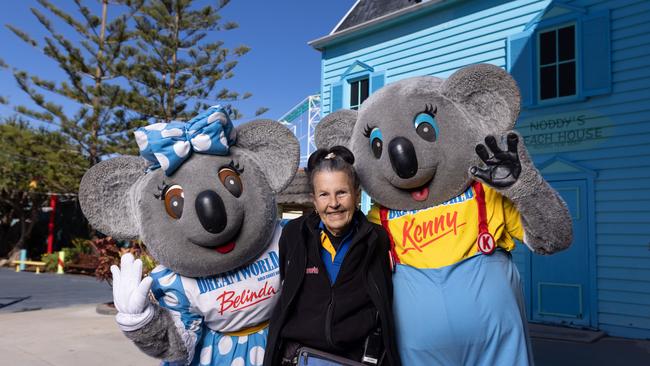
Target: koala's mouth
(422,193)
(222,242)
(419,193)
(227,248)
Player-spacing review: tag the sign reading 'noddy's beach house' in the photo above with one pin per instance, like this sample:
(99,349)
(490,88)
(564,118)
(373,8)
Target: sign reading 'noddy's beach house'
(564,132)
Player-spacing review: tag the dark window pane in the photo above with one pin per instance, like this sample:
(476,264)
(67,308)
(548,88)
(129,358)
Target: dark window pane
(365,87)
(567,79)
(547,48)
(566,43)
(547,82)
(354,93)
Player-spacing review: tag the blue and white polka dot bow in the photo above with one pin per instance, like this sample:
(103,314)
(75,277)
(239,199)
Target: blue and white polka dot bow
(168,145)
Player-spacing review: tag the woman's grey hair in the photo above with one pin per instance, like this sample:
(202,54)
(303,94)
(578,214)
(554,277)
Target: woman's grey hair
(335,159)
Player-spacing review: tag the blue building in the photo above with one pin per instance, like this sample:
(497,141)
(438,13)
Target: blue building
(584,71)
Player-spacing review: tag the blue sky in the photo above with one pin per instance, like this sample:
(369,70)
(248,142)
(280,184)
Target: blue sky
(280,70)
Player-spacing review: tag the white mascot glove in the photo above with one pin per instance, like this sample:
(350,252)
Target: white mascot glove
(130,294)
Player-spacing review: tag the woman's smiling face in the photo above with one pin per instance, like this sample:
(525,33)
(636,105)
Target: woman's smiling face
(335,200)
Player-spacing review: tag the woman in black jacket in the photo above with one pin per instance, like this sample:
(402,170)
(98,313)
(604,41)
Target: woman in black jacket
(337,289)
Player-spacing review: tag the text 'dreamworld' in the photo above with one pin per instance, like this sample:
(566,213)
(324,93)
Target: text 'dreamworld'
(258,269)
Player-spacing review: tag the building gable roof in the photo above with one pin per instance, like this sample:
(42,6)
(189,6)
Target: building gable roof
(366,15)
(365,10)
(554,9)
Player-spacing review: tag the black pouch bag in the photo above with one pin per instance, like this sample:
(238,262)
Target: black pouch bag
(313,357)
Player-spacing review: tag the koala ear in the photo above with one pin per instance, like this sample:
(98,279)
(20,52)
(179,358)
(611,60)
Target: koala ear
(335,129)
(105,196)
(488,91)
(273,147)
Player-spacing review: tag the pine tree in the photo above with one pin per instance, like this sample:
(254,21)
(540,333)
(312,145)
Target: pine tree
(3,65)
(92,64)
(174,67)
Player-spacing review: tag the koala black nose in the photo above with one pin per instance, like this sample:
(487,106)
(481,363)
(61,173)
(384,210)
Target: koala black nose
(402,157)
(211,211)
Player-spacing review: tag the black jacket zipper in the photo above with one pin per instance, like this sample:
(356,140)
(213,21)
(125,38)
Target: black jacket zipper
(328,322)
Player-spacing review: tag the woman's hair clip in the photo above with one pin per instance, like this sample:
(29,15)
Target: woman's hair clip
(336,155)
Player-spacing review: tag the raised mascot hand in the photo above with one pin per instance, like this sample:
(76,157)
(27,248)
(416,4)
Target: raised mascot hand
(130,294)
(503,167)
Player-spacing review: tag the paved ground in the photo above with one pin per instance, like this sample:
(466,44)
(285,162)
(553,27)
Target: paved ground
(607,351)
(24,291)
(69,334)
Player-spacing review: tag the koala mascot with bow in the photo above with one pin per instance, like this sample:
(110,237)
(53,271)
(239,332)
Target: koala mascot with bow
(418,146)
(218,279)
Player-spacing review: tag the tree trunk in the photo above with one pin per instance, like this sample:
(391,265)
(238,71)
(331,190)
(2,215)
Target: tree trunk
(97,108)
(172,77)
(26,227)
(14,254)
(5,226)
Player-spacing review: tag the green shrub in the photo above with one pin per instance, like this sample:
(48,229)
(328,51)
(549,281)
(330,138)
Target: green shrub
(51,261)
(79,246)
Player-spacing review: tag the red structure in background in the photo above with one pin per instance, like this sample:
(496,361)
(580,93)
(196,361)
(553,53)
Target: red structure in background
(50,226)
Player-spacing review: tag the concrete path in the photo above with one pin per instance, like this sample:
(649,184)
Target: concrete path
(67,336)
(24,291)
(77,335)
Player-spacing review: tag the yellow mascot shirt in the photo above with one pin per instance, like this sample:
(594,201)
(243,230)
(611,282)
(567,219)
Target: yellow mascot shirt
(442,235)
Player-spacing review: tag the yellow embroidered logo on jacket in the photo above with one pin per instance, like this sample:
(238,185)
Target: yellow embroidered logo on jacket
(445,234)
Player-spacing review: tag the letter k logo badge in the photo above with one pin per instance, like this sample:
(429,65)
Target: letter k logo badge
(486,243)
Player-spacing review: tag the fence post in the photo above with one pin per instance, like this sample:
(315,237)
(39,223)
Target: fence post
(23,258)
(59,267)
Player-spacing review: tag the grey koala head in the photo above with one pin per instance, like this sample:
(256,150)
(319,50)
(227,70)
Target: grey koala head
(414,140)
(213,214)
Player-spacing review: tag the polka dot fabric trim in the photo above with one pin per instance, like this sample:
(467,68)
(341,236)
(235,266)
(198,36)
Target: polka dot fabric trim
(217,349)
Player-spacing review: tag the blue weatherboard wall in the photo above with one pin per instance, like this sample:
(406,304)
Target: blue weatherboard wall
(593,147)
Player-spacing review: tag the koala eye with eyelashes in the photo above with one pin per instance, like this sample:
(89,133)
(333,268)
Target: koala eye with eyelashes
(231,180)
(425,124)
(376,140)
(174,198)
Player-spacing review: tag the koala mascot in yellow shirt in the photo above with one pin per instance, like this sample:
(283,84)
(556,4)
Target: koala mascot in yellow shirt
(454,186)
